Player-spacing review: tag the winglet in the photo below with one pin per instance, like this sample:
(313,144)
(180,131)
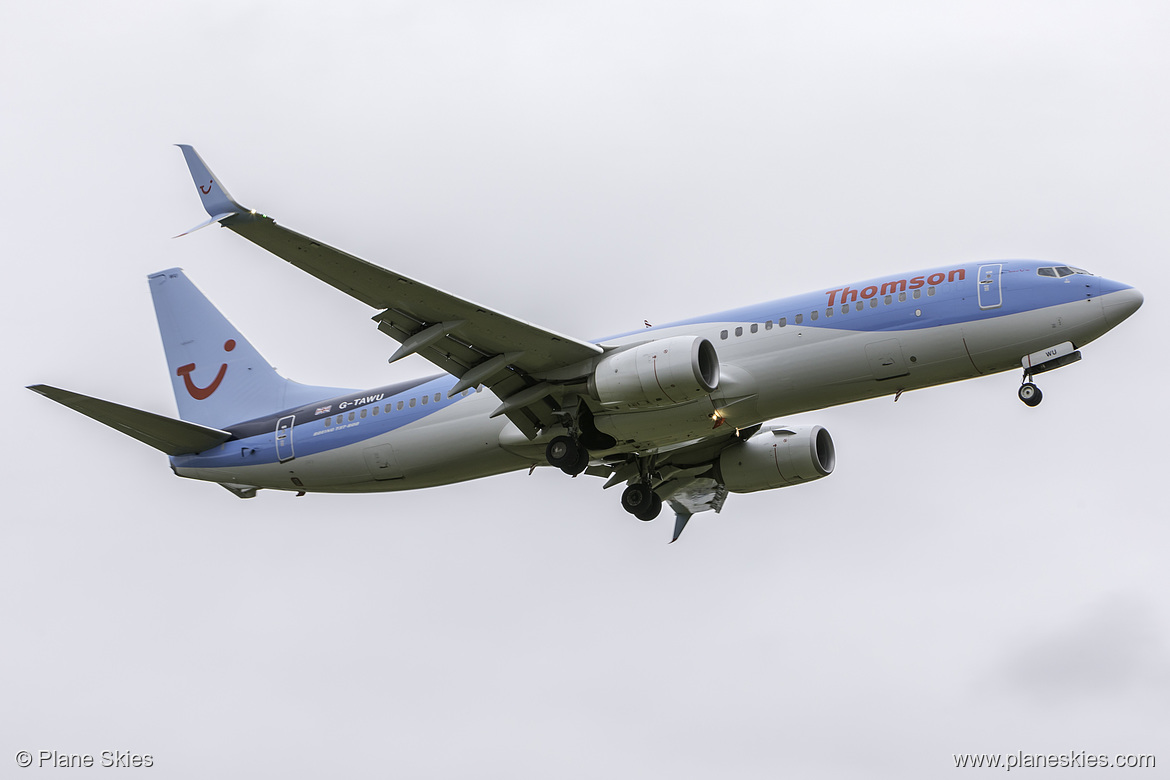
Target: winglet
(212,221)
(216,200)
(680,522)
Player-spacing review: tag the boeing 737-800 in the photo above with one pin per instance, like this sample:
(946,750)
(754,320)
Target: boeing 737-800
(683,413)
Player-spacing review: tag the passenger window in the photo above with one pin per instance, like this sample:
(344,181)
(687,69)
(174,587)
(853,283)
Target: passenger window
(339,419)
(929,291)
(918,293)
(351,416)
(363,414)
(426,398)
(813,315)
(374,411)
(828,312)
(859,305)
(723,335)
(755,328)
(783,322)
(437,396)
(768,325)
(387,409)
(902,296)
(889,299)
(328,422)
(400,406)
(873,303)
(799,318)
(844,308)
(739,331)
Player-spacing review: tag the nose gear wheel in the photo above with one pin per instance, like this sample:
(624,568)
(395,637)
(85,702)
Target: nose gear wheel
(1029,393)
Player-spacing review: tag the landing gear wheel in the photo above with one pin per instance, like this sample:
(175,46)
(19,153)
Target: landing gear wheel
(652,512)
(638,499)
(1030,394)
(579,465)
(562,452)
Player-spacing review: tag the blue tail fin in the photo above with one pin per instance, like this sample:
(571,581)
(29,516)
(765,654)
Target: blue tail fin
(218,376)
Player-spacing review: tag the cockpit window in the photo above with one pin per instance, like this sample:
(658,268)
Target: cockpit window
(1060,271)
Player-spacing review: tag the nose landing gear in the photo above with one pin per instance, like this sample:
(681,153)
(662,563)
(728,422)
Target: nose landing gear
(1029,393)
(1045,360)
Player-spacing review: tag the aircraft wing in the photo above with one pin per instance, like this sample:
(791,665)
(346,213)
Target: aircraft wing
(470,341)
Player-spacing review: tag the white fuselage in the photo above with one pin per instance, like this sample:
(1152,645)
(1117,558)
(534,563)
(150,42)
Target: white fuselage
(767,371)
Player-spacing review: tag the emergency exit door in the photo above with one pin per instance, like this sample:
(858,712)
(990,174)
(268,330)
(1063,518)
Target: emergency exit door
(284,441)
(990,294)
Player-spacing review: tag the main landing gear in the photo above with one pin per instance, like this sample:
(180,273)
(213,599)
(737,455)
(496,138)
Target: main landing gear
(567,454)
(570,452)
(641,502)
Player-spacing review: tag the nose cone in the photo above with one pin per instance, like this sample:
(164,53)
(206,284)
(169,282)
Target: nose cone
(1119,302)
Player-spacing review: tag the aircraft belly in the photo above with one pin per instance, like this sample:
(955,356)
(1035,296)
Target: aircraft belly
(997,344)
(850,366)
(453,445)
(807,369)
(657,427)
(453,451)
(342,466)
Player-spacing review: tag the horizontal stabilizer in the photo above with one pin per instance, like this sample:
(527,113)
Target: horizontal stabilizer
(174,437)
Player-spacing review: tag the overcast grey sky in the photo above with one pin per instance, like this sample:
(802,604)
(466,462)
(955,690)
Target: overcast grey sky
(976,576)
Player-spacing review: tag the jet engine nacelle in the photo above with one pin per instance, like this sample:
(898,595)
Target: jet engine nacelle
(778,457)
(658,373)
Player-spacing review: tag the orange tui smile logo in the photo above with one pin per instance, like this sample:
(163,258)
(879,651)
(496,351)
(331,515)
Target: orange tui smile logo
(200,393)
(208,190)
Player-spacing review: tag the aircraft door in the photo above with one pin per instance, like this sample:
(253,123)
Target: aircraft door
(284,442)
(990,294)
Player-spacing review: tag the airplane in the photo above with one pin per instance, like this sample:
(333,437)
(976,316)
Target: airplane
(683,413)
